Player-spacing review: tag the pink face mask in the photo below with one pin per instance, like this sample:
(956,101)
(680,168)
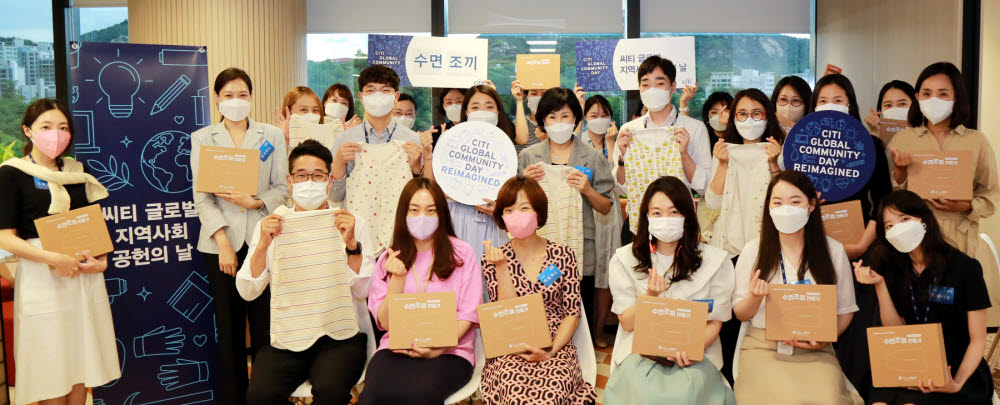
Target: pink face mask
(422,227)
(521,224)
(52,142)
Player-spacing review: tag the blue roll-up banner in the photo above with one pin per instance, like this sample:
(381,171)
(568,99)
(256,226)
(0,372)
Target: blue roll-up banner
(834,150)
(612,65)
(134,109)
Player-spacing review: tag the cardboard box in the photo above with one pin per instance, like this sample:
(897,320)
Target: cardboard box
(888,128)
(510,324)
(844,221)
(831,69)
(665,326)
(75,231)
(903,355)
(801,311)
(538,71)
(222,169)
(945,174)
(430,319)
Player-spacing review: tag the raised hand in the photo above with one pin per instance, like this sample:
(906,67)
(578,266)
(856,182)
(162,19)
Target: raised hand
(865,274)
(393,265)
(655,284)
(758,287)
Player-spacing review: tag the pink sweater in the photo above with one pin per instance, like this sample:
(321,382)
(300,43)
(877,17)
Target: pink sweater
(466,281)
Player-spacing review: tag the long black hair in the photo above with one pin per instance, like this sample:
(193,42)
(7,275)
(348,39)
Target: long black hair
(889,261)
(815,252)
(797,83)
(711,101)
(960,112)
(773,128)
(840,81)
(898,85)
(687,259)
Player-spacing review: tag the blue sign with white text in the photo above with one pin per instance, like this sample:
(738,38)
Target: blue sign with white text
(834,150)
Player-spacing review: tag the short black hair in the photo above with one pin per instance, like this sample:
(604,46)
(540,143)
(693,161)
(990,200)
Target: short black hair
(444,92)
(842,82)
(407,97)
(598,99)
(960,112)
(711,101)
(555,99)
(638,109)
(378,74)
(898,85)
(799,84)
(310,147)
(655,61)
(229,75)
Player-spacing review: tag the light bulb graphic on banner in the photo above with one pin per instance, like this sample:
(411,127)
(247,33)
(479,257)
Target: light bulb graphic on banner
(119,81)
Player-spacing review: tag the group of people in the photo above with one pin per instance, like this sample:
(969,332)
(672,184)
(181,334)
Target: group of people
(726,223)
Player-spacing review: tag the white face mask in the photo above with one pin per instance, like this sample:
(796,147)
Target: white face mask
(559,133)
(336,111)
(599,125)
(906,236)
(454,112)
(310,117)
(655,99)
(793,113)
(896,113)
(379,104)
(936,109)
(404,121)
(834,107)
(488,117)
(309,194)
(751,129)
(789,218)
(666,229)
(533,103)
(714,122)
(234,109)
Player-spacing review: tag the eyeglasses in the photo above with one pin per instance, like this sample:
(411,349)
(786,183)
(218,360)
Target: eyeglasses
(796,102)
(385,90)
(757,115)
(317,177)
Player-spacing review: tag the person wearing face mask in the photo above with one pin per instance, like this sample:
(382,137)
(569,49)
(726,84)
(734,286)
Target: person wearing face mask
(894,101)
(911,261)
(425,257)
(715,115)
(65,339)
(789,98)
(525,124)
(560,112)
(379,92)
(329,352)
(338,106)
(301,103)
(793,249)
(834,92)
(656,86)
(405,111)
(228,221)
(667,260)
(937,125)
(537,375)
(450,105)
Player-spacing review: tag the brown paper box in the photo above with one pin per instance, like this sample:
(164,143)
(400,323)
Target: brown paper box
(665,326)
(429,319)
(538,71)
(945,174)
(75,231)
(222,169)
(903,355)
(843,221)
(888,128)
(510,324)
(831,69)
(801,311)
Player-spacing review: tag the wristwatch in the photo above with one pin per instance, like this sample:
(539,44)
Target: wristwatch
(621,162)
(356,251)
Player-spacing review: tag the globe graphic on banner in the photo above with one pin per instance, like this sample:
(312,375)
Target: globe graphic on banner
(166,162)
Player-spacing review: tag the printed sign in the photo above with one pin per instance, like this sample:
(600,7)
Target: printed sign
(76,231)
(947,174)
(611,65)
(222,169)
(844,221)
(431,61)
(472,160)
(510,324)
(831,70)
(428,320)
(665,326)
(801,311)
(905,356)
(536,71)
(834,150)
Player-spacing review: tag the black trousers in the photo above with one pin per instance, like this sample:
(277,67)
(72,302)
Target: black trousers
(399,379)
(332,367)
(728,336)
(231,316)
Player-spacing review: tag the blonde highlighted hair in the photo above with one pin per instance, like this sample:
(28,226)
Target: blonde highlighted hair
(297,92)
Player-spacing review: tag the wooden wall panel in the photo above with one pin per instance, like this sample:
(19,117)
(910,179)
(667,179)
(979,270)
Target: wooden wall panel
(267,38)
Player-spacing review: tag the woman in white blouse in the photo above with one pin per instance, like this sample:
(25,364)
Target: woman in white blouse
(793,249)
(666,240)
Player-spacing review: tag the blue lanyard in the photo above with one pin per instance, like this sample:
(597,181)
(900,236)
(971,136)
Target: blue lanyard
(781,260)
(387,140)
(916,311)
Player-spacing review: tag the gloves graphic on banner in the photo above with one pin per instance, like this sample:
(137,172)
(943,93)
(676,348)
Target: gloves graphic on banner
(158,342)
(182,373)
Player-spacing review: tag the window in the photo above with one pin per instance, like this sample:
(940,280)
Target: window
(338,58)
(733,62)
(27,67)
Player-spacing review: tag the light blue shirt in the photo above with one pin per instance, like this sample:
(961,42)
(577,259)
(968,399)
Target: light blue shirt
(362,134)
